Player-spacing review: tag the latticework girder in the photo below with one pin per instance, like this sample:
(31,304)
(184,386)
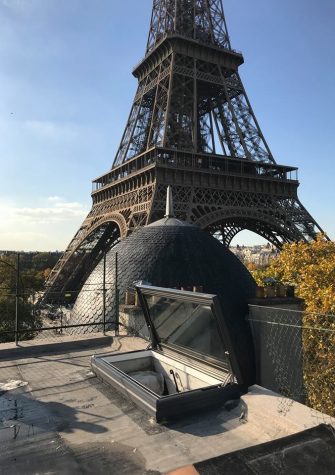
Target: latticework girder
(201,20)
(190,96)
(278,219)
(191,126)
(180,106)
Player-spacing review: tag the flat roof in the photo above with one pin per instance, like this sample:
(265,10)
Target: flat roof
(57,417)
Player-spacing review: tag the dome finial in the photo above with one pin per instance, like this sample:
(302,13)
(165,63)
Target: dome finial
(169,212)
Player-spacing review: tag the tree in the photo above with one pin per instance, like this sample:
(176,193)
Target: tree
(310,267)
(28,321)
(34,269)
(29,282)
(251,266)
(43,260)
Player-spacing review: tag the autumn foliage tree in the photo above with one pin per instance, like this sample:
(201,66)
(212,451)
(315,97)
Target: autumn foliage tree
(310,268)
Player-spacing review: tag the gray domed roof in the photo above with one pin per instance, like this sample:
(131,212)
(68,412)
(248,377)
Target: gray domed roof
(169,221)
(171,253)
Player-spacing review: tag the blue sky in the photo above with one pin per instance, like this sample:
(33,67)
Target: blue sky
(66,89)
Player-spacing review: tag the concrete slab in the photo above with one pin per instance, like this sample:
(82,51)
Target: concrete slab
(67,421)
(61,344)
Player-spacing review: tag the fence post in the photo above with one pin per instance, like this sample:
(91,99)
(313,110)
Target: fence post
(104,295)
(116,297)
(17,296)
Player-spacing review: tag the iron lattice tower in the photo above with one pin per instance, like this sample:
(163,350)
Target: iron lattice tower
(191,126)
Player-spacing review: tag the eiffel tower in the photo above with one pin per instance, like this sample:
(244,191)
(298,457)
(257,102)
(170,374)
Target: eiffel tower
(191,126)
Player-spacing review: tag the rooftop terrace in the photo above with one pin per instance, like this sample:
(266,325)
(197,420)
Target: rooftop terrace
(56,417)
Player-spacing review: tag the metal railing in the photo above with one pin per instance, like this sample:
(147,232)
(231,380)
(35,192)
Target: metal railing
(27,315)
(35,321)
(198,161)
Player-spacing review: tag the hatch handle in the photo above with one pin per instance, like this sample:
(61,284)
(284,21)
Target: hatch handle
(175,380)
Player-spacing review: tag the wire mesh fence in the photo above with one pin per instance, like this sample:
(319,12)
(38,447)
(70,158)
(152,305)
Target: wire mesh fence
(27,314)
(26,317)
(295,355)
(93,309)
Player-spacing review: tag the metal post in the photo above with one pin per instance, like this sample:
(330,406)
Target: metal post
(61,322)
(104,295)
(34,309)
(17,297)
(116,297)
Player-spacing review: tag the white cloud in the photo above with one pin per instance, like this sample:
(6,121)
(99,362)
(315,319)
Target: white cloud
(57,211)
(45,227)
(60,213)
(54,199)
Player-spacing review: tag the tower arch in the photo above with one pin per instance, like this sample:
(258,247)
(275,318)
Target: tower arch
(228,222)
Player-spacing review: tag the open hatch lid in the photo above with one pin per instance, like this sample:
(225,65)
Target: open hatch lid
(191,323)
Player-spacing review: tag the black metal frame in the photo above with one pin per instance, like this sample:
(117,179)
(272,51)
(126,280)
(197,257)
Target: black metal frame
(197,298)
(18,332)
